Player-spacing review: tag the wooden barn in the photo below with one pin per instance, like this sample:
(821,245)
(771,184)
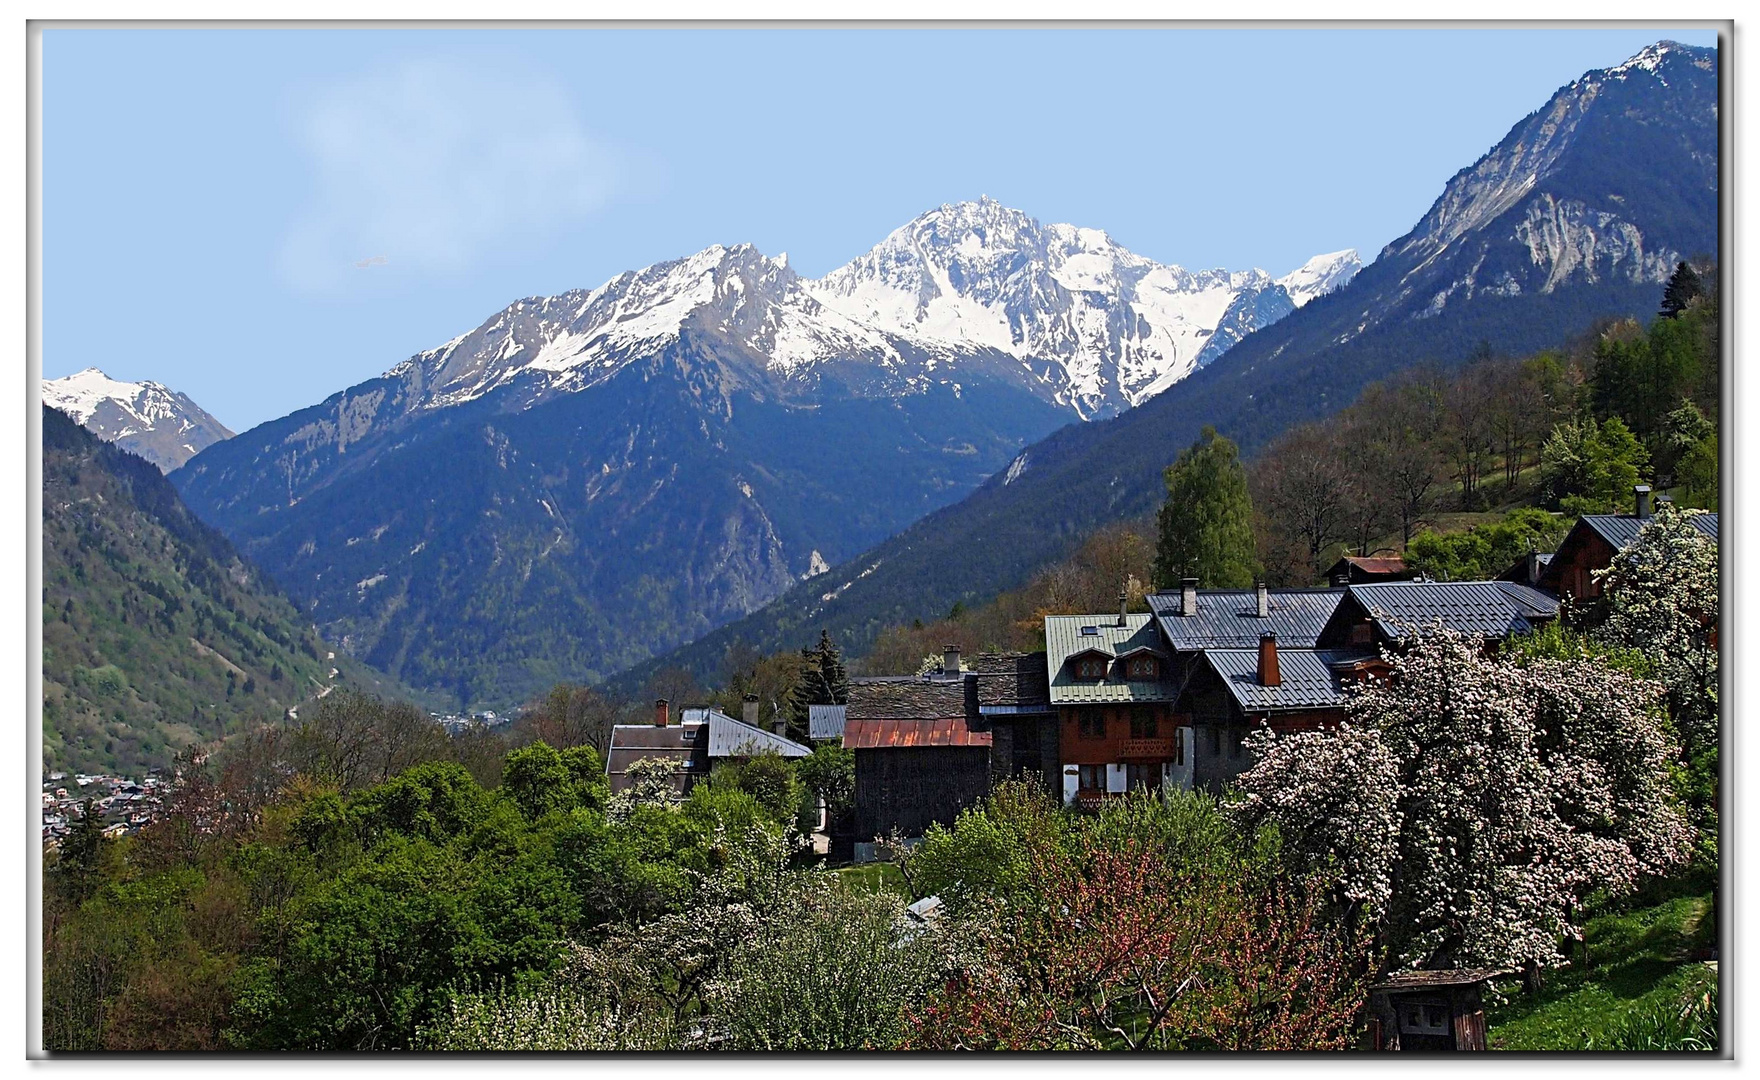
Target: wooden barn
(1593,542)
(918,759)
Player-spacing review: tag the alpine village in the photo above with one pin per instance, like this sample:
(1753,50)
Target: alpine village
(1350,681)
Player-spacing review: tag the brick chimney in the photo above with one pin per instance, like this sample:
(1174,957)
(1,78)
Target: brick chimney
(1268,673)
(1188,596)
(1641,495)
(1264,601)
(950,660)
(1123,606)
(749,709)
(660,712)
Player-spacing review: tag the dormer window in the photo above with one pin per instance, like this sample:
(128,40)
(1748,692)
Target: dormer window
(1142,668)
(1091,667)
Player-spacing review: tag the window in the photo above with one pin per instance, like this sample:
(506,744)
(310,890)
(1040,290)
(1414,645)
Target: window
(1179,747)
(1091,724)
(1145,723)
(1362,634)
(1147,777)
(1091,668)
(1143,668)
(1092,778)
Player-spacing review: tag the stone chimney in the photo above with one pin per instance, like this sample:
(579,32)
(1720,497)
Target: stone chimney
(780,723)
(748,710)
(950,660)
(1264,600)
(660,712)
(1268,673)
(1124,602)
(1188,596)
(1641,495)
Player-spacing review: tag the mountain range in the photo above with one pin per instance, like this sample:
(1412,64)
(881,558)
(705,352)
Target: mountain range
(586,479)
(1578,214)
(158,423)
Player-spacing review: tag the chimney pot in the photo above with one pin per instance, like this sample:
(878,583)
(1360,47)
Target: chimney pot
(1642,494)
(950,660)
(1188,596)
(660,712)
(749,709)
(1264,601)
(1268,673)
(1123,606)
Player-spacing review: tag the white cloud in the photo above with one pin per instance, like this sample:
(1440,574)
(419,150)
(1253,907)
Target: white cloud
(434,165)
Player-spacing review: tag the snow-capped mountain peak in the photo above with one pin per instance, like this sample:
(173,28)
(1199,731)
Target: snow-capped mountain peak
(1063,310)
(158,423)
(1320,275)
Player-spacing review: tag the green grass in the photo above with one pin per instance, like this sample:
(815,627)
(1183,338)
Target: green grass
(875,877)
(1641,972)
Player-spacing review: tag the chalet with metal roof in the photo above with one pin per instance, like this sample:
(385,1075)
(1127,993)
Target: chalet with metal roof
(1193,619)
(1390,612)
(1237,690)
(1595,539)
(1113,681)
(703,736)
(920,758)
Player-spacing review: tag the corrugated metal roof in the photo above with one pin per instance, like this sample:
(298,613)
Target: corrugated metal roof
(733,738)
(903,734)
(825,721)
(905,699)
(1484,608)
(1229,618)
(1621,529)
(1064,639)
(1309,679)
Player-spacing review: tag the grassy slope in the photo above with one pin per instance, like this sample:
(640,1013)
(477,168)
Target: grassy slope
(1638,961)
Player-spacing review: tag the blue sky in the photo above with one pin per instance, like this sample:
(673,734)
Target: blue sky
(262,217)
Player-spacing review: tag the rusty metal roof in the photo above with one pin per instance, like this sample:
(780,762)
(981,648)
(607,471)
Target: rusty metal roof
(892,734)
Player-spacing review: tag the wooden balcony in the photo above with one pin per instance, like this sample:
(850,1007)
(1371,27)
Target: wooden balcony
(1146,750)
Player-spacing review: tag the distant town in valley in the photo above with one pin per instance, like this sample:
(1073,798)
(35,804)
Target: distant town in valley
(1004,640)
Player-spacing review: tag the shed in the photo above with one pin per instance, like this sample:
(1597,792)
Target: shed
(1430,1010)
(1361,570)
(918,759)
(826,721)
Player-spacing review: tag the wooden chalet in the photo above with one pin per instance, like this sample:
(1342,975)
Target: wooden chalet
(1595,539)
(701,737)
(1114,683)
(918,759)
(1363,569)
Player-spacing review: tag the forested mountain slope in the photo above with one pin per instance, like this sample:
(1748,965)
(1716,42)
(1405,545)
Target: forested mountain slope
(1580,213)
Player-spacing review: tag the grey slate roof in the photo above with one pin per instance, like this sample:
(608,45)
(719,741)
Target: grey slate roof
(687,746)
(825,721)
(735,738)
(1064,639)
(1621,529)
(1229,618)
(1010,682)
(1310,678)
(905,699)
(1484,608)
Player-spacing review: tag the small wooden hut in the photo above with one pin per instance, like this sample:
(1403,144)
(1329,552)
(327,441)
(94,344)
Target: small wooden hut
(1430,1010)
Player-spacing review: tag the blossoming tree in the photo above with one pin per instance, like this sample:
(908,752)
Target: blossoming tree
(1470,803)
